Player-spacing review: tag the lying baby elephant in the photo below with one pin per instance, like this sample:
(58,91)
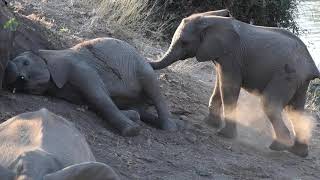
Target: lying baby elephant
(271,61)
(41,145)
(106,73)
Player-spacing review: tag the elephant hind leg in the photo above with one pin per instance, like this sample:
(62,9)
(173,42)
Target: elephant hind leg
(302,128)
(146,116)
(275,97)
(151,87)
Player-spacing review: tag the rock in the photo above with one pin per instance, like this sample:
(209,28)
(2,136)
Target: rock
(202,172)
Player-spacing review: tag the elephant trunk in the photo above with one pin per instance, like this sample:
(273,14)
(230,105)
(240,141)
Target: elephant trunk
(11,73)
(165,61)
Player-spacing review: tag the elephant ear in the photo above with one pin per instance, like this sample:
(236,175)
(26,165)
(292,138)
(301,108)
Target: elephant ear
(218,38)
(84,171)
(222,13)
(57,64)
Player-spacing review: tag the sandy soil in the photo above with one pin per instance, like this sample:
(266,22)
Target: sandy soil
(194,152)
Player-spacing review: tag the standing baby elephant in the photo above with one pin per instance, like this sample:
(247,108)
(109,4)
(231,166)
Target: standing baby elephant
(270,61)
(106,73)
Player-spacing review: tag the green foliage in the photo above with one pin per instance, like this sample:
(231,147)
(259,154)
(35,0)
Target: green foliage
(11,24)
(63,30)
(276,13)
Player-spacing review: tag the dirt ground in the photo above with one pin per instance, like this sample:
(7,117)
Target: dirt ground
(194,152)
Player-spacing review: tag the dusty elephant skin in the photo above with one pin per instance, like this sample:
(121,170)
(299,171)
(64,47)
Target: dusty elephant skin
(271,61)
(106,73)
(41,145)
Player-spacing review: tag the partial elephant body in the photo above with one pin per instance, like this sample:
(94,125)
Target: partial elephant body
(40,144)
(261,48)
(105,73)
(269,61)
(120,67)
(117,64)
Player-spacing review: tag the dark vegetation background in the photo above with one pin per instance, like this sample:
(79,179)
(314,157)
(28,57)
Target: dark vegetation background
(167,14)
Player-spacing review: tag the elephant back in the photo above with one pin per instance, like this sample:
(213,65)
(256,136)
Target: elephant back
(117,62)
(43,130)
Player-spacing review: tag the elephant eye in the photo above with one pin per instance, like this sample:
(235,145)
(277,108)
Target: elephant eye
(26,63)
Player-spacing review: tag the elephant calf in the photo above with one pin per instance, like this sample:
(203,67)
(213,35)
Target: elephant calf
(271,61)
(105,73)
(41,145)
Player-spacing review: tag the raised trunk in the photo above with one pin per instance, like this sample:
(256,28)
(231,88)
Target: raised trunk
(165,61)
(11,73)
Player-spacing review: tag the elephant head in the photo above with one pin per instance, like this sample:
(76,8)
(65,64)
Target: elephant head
(206,36)
(27,72)
(31,73)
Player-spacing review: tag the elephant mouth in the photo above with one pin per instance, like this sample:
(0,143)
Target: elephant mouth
(29,88)
(17,86)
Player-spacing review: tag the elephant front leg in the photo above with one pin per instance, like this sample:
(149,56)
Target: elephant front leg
(215,103)
(102,103)
(93,90)
(230,82)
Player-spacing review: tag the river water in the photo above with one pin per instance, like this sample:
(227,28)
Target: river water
(308,18)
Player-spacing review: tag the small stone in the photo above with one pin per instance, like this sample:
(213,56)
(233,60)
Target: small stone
(202,172)
(183,117)
(163,77)
(191,138)
(148,159)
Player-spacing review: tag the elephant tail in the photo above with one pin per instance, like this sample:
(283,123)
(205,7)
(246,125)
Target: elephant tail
(313,70)
(316,74)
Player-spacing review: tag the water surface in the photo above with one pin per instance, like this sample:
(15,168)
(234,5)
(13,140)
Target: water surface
(308,18)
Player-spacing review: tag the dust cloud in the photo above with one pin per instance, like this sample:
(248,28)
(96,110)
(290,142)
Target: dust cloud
(254,127)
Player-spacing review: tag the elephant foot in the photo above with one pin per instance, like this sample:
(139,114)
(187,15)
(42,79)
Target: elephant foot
(169,125)
(278,146)
(299,149)
(132,130)
(132,115)
(229,133)
(213,121)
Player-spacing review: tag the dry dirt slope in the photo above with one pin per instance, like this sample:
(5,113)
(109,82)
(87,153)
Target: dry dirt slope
(194,152)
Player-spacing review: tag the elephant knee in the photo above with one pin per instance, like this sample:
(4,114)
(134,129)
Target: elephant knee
(270,107)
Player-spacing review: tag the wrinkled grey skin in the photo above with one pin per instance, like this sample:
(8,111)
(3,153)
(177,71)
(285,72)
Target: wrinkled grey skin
(43,146)
(106,73)
(270,61)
